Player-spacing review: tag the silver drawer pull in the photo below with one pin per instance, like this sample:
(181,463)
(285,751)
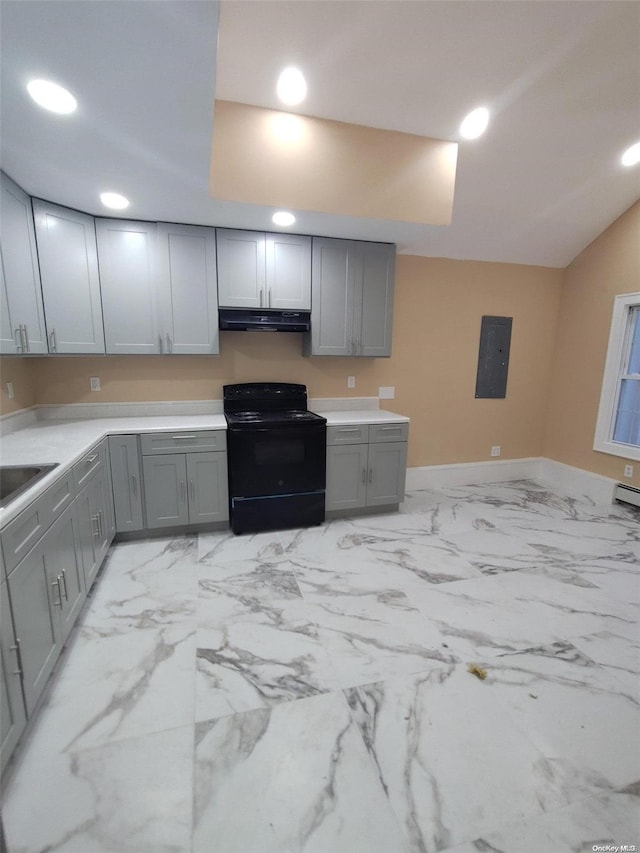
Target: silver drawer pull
(183,437)
(91,459)
(64,583)
(390,429)
(364,475)
(371,475)
(18,339)
(18,652)
(56,583)
(349,429)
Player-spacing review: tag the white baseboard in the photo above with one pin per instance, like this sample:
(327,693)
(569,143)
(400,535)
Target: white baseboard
(556,476)
(472,473)
(576,482)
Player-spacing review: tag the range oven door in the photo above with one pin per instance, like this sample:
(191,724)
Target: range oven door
(276,460)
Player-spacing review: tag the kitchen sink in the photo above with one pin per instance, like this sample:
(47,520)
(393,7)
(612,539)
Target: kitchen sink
(15,479)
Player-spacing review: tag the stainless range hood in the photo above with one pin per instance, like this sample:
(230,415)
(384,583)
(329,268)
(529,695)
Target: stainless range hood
(259,320)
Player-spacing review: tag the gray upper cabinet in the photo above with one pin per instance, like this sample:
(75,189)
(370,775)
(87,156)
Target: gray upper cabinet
(188,289)
(257,270)
(127,256)
(23,329)
(352,296)
(70,283)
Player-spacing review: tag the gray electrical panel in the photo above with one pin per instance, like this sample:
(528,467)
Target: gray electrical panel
(493,357)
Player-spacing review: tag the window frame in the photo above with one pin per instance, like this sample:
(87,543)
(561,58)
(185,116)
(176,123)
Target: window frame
(617,353)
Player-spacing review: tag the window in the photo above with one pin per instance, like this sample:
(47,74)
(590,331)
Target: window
(618,425)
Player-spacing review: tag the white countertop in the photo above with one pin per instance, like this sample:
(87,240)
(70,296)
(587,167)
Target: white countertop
(65,442)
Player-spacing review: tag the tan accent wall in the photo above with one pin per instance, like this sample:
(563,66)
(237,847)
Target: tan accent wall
(609,266)
(281,159)
(20,372)
(438,308)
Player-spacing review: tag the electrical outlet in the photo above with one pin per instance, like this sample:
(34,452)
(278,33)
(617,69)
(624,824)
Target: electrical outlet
(94,382)
(628,470)
(351,381)
(496,450)
(10,393)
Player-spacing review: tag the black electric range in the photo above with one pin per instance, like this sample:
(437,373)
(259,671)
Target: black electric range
(276,451)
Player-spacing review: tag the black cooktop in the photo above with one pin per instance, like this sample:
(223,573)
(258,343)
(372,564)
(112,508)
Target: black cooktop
(268,403)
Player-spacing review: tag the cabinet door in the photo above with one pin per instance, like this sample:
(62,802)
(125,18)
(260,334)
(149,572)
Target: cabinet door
(128,276)
(241,269)
(333,279)
(64,568)
(188,288)
(34,603)
(94,526)
(127,482)
(208,488)
(386,473)
(12,711)
(70,283)
(9,343)
(346,476)
(20,265)
(165,489)
(376,298)
(288,259)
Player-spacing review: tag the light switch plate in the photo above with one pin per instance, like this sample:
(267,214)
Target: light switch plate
(10,393)
(386,392)
(94,383)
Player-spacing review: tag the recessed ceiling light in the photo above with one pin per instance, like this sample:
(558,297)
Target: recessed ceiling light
(631,156)
(114,200)
(283,218)
(475,124)
(292,87)
(51,96)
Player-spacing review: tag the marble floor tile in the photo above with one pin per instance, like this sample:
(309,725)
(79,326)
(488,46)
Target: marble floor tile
(591,824)
(451,758)
(292,778)
(131,796)
(322,675)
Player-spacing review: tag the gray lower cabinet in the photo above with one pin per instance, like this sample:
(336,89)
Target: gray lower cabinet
(352,285)
(186,488)
(47,592)
(366,466)
(95,514)
(126,480)
(12,712)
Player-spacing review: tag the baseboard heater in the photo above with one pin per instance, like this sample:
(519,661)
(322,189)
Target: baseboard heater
(627,494)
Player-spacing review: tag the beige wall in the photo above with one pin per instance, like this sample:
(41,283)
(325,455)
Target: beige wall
(609,266)
(438,307)
(20,372)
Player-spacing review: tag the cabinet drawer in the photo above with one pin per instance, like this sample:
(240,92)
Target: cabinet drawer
(21,534)
(348,434)
(388,432)
(171,442)
(92,462)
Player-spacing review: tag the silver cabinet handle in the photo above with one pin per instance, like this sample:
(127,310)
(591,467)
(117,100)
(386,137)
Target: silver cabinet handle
(183,491)
(134,485)
(18,652)
(371,475)
(100,527)
(192,491)
(182,437)
(269,293)
(56,583)
(64,583)
(169,343)
(26,338)
(91,459)
(364,475)
(53,344)
(261,297)
(23,338)
(348,429)
(94,526)
(17,338)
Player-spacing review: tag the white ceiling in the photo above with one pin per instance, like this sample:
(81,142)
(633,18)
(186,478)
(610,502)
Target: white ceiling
(562,80)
